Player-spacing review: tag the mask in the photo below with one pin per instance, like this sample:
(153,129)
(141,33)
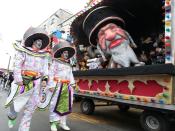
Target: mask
(65,55)
(38,43)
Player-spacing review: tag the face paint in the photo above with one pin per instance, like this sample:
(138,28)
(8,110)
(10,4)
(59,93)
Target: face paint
(38,43)
(65,55)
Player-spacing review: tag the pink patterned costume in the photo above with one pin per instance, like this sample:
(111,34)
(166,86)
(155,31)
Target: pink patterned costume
(26,59)
(61,80)
(28,62)
(60,70)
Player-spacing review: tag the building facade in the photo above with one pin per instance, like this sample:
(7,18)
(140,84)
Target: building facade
(53,23)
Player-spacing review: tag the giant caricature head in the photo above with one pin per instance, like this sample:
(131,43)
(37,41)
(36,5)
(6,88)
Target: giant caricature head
(108,33)
(111,34)
(94,22)
(107,26)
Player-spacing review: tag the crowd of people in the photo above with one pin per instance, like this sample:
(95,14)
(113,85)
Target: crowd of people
(6,79)
(153,50)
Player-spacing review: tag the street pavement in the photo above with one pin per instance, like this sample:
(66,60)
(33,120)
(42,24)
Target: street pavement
(104,119)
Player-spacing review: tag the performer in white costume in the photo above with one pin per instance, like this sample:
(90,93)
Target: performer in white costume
(61,82)
(30,67)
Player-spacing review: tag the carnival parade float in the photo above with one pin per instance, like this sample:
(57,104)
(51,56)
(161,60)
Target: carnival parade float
(130,48)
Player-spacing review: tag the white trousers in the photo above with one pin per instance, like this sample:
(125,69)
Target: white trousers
(54,117)
(29,108)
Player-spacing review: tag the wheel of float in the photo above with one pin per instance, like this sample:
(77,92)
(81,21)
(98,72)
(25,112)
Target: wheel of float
(123,108)
(153,121)
(87,106)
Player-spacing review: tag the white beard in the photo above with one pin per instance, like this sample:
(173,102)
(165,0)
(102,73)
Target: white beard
(123,54)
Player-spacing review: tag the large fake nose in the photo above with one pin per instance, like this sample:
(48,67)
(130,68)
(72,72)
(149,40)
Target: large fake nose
(109,35)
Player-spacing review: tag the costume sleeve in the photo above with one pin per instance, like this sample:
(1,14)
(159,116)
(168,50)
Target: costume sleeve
(51,73)
(45,67)
(72,80)
(18,63)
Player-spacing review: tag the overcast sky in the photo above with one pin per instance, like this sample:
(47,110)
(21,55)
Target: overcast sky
(18,15)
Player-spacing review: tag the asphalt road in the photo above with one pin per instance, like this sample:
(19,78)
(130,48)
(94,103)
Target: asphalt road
(104,119)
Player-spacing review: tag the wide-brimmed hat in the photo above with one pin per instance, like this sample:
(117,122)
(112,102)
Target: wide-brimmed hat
(97,18)
(138,17)
(33,34)
(62,46)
